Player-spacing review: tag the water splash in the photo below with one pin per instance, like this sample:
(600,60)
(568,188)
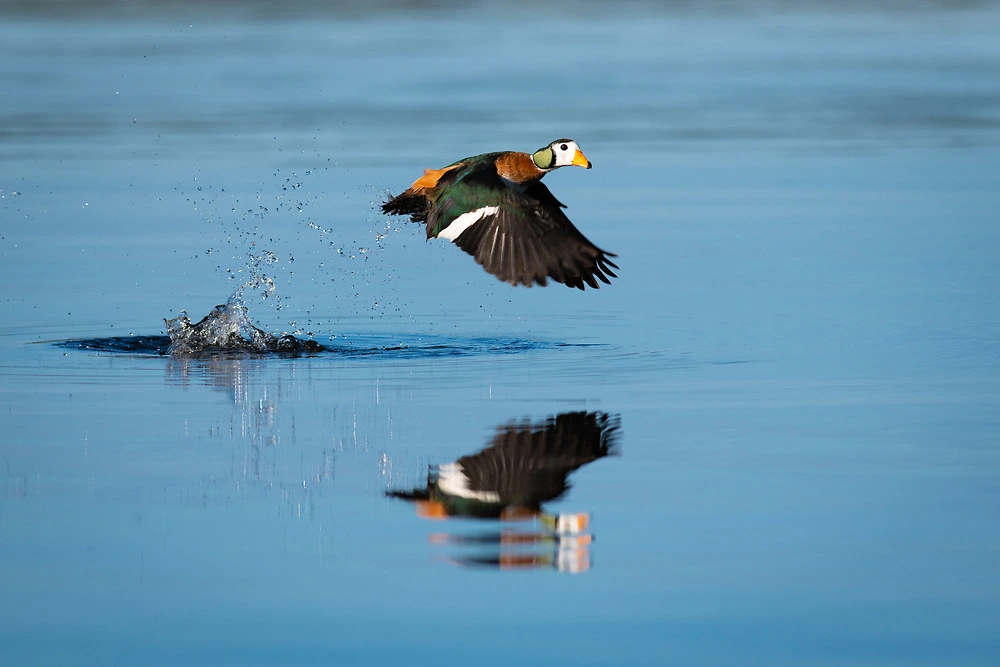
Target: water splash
(228,329)
(260,282)
(207,338)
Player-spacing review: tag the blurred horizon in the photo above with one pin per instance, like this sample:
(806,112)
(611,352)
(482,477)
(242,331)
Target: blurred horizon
(847,77)
(270,9)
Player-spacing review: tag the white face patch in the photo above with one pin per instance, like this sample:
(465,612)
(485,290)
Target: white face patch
(466,220)
(451,479)
(564,157)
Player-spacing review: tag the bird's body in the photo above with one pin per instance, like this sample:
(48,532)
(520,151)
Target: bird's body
(495,207)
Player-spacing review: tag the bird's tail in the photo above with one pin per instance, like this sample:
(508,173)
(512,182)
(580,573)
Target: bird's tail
(408,203)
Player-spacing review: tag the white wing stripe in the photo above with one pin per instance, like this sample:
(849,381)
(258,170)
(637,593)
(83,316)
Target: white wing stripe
(466,220)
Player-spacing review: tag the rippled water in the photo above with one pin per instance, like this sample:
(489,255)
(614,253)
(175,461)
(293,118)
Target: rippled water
(772,440)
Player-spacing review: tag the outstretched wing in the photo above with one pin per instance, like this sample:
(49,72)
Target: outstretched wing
(520,237)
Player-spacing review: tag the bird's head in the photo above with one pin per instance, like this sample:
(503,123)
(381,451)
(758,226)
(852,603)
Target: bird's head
(560,153)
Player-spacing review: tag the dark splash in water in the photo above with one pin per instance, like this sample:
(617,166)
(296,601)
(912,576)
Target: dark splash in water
(143,345)
(227,331)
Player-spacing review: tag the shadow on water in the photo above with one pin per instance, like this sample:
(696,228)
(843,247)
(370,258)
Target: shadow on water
(525,466)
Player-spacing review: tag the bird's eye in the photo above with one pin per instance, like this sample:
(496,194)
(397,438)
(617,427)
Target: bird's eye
(563,147)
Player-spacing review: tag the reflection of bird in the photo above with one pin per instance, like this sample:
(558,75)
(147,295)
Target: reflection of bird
(524,466)
(494,207)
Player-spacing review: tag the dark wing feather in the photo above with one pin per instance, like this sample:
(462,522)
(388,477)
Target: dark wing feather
(528,240)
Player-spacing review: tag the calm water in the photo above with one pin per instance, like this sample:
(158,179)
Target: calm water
(781,421)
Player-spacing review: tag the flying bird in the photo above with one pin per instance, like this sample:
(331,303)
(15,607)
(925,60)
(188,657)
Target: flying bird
(495,207)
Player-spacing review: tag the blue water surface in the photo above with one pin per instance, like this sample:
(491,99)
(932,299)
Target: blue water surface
(801,349)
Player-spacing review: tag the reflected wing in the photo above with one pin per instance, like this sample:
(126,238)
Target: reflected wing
(528,464)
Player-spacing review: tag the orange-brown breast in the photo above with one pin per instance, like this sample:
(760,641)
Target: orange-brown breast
(518,167)
(431,177)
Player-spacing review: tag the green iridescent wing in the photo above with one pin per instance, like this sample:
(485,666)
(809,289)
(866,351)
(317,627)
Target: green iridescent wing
(520,237)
